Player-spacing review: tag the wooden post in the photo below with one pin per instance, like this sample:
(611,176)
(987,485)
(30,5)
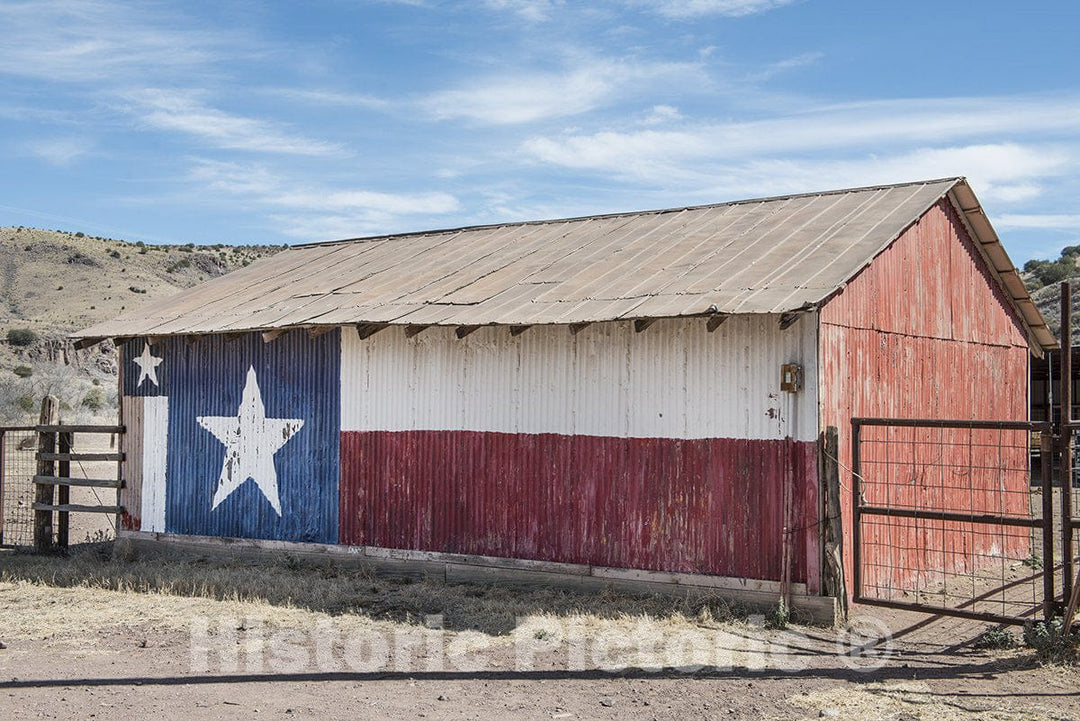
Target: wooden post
(1066,442)
(832,522)
(43,493)
(787,538)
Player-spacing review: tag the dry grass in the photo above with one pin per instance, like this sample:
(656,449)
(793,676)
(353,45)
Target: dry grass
(279,585)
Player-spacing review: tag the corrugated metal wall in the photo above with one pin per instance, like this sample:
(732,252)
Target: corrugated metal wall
(675,380)
(661,450)
(294,379)
(923,332)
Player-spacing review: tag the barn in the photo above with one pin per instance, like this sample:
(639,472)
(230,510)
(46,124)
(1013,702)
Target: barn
(627,398)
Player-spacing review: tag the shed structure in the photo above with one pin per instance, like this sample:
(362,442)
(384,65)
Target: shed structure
(596,396)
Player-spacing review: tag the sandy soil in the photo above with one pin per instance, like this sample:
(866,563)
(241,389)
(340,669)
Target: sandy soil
(288,641)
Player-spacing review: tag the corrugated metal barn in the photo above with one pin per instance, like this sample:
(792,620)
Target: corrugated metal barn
(600,395)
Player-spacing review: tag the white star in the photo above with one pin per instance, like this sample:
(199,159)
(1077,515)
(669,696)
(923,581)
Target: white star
(251,440)
(148,364)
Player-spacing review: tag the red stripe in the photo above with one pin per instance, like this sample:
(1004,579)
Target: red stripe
(711,506)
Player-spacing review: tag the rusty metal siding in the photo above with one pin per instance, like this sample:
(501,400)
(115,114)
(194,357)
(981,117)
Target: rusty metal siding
(923,332)
(711,506)
(662,450)
(131,445)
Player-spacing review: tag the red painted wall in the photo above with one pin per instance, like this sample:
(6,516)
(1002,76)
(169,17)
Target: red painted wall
(925,332)
(711,506)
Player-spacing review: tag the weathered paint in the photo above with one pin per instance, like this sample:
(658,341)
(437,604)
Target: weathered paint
(154,463)
(675,380)
(131,469)
(230,469)
(923,332)
(660,450)
(710,506)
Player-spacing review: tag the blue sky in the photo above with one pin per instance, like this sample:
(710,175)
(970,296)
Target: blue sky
(264,122)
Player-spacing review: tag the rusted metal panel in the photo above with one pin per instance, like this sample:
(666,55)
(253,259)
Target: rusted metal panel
(131,445)
(757,257)
(689,505)
(923,332)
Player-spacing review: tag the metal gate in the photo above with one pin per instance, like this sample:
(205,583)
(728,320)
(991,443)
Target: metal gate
(36,482)
(18,465)
(948,520)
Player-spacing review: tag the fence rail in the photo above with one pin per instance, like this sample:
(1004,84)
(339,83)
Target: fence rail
(36,482)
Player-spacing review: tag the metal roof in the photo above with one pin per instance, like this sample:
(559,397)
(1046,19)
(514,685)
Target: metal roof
(771,255)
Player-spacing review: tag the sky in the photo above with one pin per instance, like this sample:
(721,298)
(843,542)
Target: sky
(248,121)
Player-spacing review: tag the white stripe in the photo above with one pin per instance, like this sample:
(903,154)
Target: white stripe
(674,380)
(155,448)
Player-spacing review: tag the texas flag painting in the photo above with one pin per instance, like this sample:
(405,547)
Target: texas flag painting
(234,437)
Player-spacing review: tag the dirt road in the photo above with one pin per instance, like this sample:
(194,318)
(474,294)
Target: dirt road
(195,638)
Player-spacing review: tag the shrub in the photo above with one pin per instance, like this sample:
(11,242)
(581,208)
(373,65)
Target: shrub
(94,399)
(80,234)
(1051,644)
(133,289)
(21,336)
(995,638)
(114,253)
(25,403)
(23,371)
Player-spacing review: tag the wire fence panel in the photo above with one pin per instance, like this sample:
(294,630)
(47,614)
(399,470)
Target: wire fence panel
(18,464)
(948,518)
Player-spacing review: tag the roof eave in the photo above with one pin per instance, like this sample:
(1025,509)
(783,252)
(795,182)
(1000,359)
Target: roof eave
(1040,337)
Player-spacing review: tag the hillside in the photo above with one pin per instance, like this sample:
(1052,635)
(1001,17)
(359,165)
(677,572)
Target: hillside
(53,282)
(1043,279)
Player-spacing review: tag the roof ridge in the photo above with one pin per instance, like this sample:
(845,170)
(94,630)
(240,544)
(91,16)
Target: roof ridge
(624,213)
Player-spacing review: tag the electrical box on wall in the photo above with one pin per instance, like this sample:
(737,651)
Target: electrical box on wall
(791,377)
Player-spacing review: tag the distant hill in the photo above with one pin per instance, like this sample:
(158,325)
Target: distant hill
(1043,279)
(53,282)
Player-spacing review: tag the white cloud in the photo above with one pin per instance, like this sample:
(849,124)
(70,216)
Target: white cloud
(1060,221)
(662,114)
(869,127)
(183,112)
(314,210)
(530,97)
(332,98)
(530,10)
(733,8)
(59,151)
(93,40)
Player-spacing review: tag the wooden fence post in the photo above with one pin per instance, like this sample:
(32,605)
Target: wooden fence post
(43,493)
(833,531)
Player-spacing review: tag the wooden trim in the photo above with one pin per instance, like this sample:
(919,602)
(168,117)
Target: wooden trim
(44,456)
(79,429)
(87,482)
(75,508)
(463,568)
